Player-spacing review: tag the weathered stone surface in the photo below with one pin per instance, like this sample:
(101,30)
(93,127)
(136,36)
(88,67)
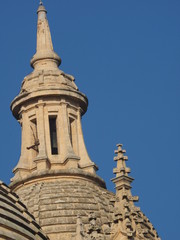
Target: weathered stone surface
(16,223)
(59,202)
(48,93)
(128,221)
(55,177)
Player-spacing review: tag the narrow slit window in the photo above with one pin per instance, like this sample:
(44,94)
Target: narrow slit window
(53,135)
(70,129)
(73,134)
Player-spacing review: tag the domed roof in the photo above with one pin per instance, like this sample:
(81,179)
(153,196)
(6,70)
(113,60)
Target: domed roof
(74,205)
(16,223)
(57,201)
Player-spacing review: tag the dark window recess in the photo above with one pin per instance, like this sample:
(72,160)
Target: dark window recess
(53,136)
(70,128)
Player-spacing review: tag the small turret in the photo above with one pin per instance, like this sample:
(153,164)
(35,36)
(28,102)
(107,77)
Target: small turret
(122,180)
(49,108)
(128,221)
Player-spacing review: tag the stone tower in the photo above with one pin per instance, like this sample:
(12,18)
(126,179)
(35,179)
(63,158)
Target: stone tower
(49,109)
(55,177)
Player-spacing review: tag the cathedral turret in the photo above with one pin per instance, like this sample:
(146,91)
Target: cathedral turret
(55,177)
(49,109)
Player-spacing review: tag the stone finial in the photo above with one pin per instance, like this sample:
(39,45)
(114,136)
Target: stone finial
(128,219)
(124,201)
(121,165)
(122,179)
(45,54)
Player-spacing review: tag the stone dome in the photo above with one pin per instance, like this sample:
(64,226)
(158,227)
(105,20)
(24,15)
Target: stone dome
(72,204)
(57,199)
(16,223)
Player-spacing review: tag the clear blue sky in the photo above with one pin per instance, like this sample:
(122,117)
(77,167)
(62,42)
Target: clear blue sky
(125,56)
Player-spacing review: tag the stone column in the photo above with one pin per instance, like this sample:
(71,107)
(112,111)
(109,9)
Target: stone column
(66,150)
(85,161)
(41,159)
(23,166)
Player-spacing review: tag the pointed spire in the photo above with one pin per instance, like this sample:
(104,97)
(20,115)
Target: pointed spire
(125,210)
(121,162)
(45,54)
(122,180)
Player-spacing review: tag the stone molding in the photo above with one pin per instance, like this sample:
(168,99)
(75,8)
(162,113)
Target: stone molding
(57,174)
